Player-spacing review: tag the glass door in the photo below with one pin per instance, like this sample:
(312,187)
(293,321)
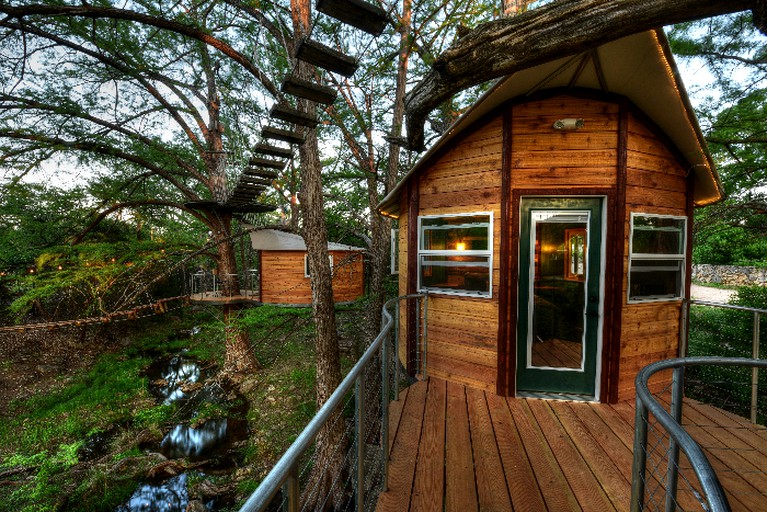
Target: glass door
(559,294)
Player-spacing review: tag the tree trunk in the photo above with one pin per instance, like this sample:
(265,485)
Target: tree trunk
(500,47)
(239,358)
(329,458)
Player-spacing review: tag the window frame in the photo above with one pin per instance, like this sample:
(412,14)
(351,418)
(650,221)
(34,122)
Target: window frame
(488,253)
(306,265)
(679,259)
(394,249)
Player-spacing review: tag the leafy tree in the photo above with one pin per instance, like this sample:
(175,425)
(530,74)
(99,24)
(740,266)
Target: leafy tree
(734,116)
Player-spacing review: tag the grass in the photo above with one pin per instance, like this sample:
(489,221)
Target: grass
(41,438)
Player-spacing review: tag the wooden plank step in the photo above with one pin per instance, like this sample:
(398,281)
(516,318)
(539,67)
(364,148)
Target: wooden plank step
(289,114)
(357,13)
(268,149)
(270,132)
(251,208)
(325,57)
(253,180)
(266,162)
(261,173)
(309,90)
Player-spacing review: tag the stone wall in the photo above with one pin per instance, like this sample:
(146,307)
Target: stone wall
(730,275)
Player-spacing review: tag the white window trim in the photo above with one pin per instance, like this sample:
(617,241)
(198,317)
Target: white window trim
(680,258)
(306,265)
(488,253)
(394,245)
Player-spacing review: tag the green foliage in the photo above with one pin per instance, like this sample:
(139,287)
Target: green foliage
(727,333)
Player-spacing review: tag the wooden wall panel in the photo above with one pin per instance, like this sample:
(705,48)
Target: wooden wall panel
(462,332)
(656,183)
(283,280)
(544,158)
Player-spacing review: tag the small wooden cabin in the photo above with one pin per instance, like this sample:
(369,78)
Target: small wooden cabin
(551,226)
(284,269)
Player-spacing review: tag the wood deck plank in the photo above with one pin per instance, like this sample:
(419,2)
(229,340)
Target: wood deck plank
(603,452)
(492,491)
(461,491)
(429,485)
(556,491)
(462,449)
(523,487)
(582,481)
(404,452)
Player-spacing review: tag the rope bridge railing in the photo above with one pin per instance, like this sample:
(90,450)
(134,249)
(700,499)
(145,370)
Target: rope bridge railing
(339,461)
(681,460)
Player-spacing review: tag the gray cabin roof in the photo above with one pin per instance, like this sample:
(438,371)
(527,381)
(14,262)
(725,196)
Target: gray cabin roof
(276,240)
(639,67)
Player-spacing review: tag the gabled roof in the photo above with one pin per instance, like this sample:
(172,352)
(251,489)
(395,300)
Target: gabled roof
(276,240)
(639,67)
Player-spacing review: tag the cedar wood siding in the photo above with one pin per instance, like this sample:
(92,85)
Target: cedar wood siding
(656,183)
(283,280)
(462,331)
(463,344)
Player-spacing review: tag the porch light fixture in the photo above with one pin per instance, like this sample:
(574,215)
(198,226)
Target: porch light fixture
(460,246)
(568,123)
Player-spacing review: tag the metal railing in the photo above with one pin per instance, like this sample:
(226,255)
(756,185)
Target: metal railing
(660,480)
(755,343)
(350,471)
(210,284)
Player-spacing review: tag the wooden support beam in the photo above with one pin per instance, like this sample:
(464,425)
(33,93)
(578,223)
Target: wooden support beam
(291,115)
(267,149)
(309,90)
(270,132)
(325,57)
(267,163)
(357,13)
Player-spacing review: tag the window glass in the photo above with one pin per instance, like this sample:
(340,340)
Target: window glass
(455,255)
(657,260)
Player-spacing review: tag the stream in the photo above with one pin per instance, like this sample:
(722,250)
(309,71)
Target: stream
(180,381)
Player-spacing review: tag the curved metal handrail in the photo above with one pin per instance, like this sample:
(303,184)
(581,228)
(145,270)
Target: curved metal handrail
(671,422)
(284,468)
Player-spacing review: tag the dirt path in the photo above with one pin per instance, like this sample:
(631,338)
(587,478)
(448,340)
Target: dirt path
(709,294)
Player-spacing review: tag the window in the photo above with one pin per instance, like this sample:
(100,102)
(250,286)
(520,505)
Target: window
(306,265)
(658,246)
(394,251)
(455,254)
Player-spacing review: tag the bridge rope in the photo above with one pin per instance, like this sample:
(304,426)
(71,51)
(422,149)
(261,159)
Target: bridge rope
(158,307)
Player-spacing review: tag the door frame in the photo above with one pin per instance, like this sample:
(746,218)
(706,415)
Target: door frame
(562,381)
(610,280)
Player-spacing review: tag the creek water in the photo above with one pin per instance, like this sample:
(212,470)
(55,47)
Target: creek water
(180,381)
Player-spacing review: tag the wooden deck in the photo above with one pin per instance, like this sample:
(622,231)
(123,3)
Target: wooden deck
(461,449)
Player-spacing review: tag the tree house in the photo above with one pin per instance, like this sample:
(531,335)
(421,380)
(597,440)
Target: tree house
(551,226)
(284,269)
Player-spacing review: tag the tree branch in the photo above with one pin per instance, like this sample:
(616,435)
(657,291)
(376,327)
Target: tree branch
(500,47)
(90,11)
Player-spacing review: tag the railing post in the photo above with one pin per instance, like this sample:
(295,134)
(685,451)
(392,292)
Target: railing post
(360,428)
(292,493)
(396,349)
(418,357)
(640,457)
(755,369)
(385,409)
(672,474)
(424,333)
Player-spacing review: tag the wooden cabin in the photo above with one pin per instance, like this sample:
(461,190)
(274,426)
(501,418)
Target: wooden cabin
(284,269)
(551,226)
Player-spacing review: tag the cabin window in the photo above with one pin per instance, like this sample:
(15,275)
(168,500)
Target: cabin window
(394,251)
(306,265)
(455,254)
(658,249)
